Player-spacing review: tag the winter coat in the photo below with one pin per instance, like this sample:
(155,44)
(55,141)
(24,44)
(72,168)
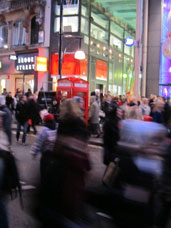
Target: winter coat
(10,102)
(110,136)
(7,122)
(63,189)
(45,140)
(94,112)
(33,111)
(22,112)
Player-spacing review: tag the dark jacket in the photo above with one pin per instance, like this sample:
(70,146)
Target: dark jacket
(110,136)
(7,122)
(33,111)
(63,189)
(10,102)
(22,112)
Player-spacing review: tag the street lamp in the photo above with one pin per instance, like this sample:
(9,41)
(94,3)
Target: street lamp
(80,55)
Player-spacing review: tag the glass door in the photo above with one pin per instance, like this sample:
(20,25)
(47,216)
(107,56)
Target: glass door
(24,82)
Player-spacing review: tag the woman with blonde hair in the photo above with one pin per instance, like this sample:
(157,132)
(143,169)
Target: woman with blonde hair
(70,108)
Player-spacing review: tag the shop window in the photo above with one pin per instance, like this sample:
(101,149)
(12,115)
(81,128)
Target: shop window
(101,70)
(98,33)
(84,26)
(3,84)
(19,34)
(34,31)
(116,43)
(116,29)
(84,11)
(70,7)
(4,36)
(70,24)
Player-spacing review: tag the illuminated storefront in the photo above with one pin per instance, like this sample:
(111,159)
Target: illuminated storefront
(21,72)
(108,58)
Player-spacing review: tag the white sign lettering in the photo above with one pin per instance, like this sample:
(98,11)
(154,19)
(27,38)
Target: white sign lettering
(80,85)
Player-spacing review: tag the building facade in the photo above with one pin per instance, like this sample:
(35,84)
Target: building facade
(92,27)
(24,35)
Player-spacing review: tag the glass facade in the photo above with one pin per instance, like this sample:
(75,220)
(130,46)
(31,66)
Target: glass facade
(110,63)
(70,16)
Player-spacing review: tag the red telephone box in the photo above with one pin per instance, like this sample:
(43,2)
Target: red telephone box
(70,87)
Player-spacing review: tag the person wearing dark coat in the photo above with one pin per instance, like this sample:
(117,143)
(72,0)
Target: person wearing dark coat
(63,190)
(33,113)
(22,118)
(54,109)
(111,135)
(10,102)
(7,119)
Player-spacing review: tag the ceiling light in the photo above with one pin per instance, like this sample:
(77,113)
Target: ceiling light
(80,55)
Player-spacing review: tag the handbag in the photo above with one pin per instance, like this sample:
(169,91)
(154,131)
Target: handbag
(29,122)
(111,173)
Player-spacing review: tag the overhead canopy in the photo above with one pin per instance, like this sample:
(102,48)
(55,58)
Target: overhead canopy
(124,10)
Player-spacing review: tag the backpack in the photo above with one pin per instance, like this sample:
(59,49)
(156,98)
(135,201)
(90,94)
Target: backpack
(11,183)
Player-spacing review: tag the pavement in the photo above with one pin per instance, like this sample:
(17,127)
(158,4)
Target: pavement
(29,175)
(93,140)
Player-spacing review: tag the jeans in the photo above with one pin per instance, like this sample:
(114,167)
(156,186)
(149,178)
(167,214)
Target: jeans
(3,213)
(25,126)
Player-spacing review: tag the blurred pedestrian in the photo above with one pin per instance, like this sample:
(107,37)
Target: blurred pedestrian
(63,185)
(157,112)
(18,92)
(34,110)
(110,135)
(46,138)
(145,108)
(54,109)
(28,93)
(7,119)
(22,116)
(10,102)
(94,116)
(4,93)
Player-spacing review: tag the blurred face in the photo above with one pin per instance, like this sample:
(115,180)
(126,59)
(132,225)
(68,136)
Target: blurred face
(109,98)
(54,102)
(24,98)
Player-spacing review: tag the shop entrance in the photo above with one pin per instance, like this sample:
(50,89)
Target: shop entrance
(25,82)
(101,88)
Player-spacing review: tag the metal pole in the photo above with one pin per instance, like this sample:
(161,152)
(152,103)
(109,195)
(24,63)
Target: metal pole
(60,39)
(145,42)
(138,48)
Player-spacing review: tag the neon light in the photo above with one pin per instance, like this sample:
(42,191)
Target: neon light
(165,67)
(41,64)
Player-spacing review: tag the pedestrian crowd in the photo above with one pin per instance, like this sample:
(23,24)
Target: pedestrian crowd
(127,125)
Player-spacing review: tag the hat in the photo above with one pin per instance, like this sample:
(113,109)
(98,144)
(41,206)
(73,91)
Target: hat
(48,117)
(2,100)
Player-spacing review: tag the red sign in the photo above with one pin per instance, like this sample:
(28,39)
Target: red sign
(101,70)
(70,66)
